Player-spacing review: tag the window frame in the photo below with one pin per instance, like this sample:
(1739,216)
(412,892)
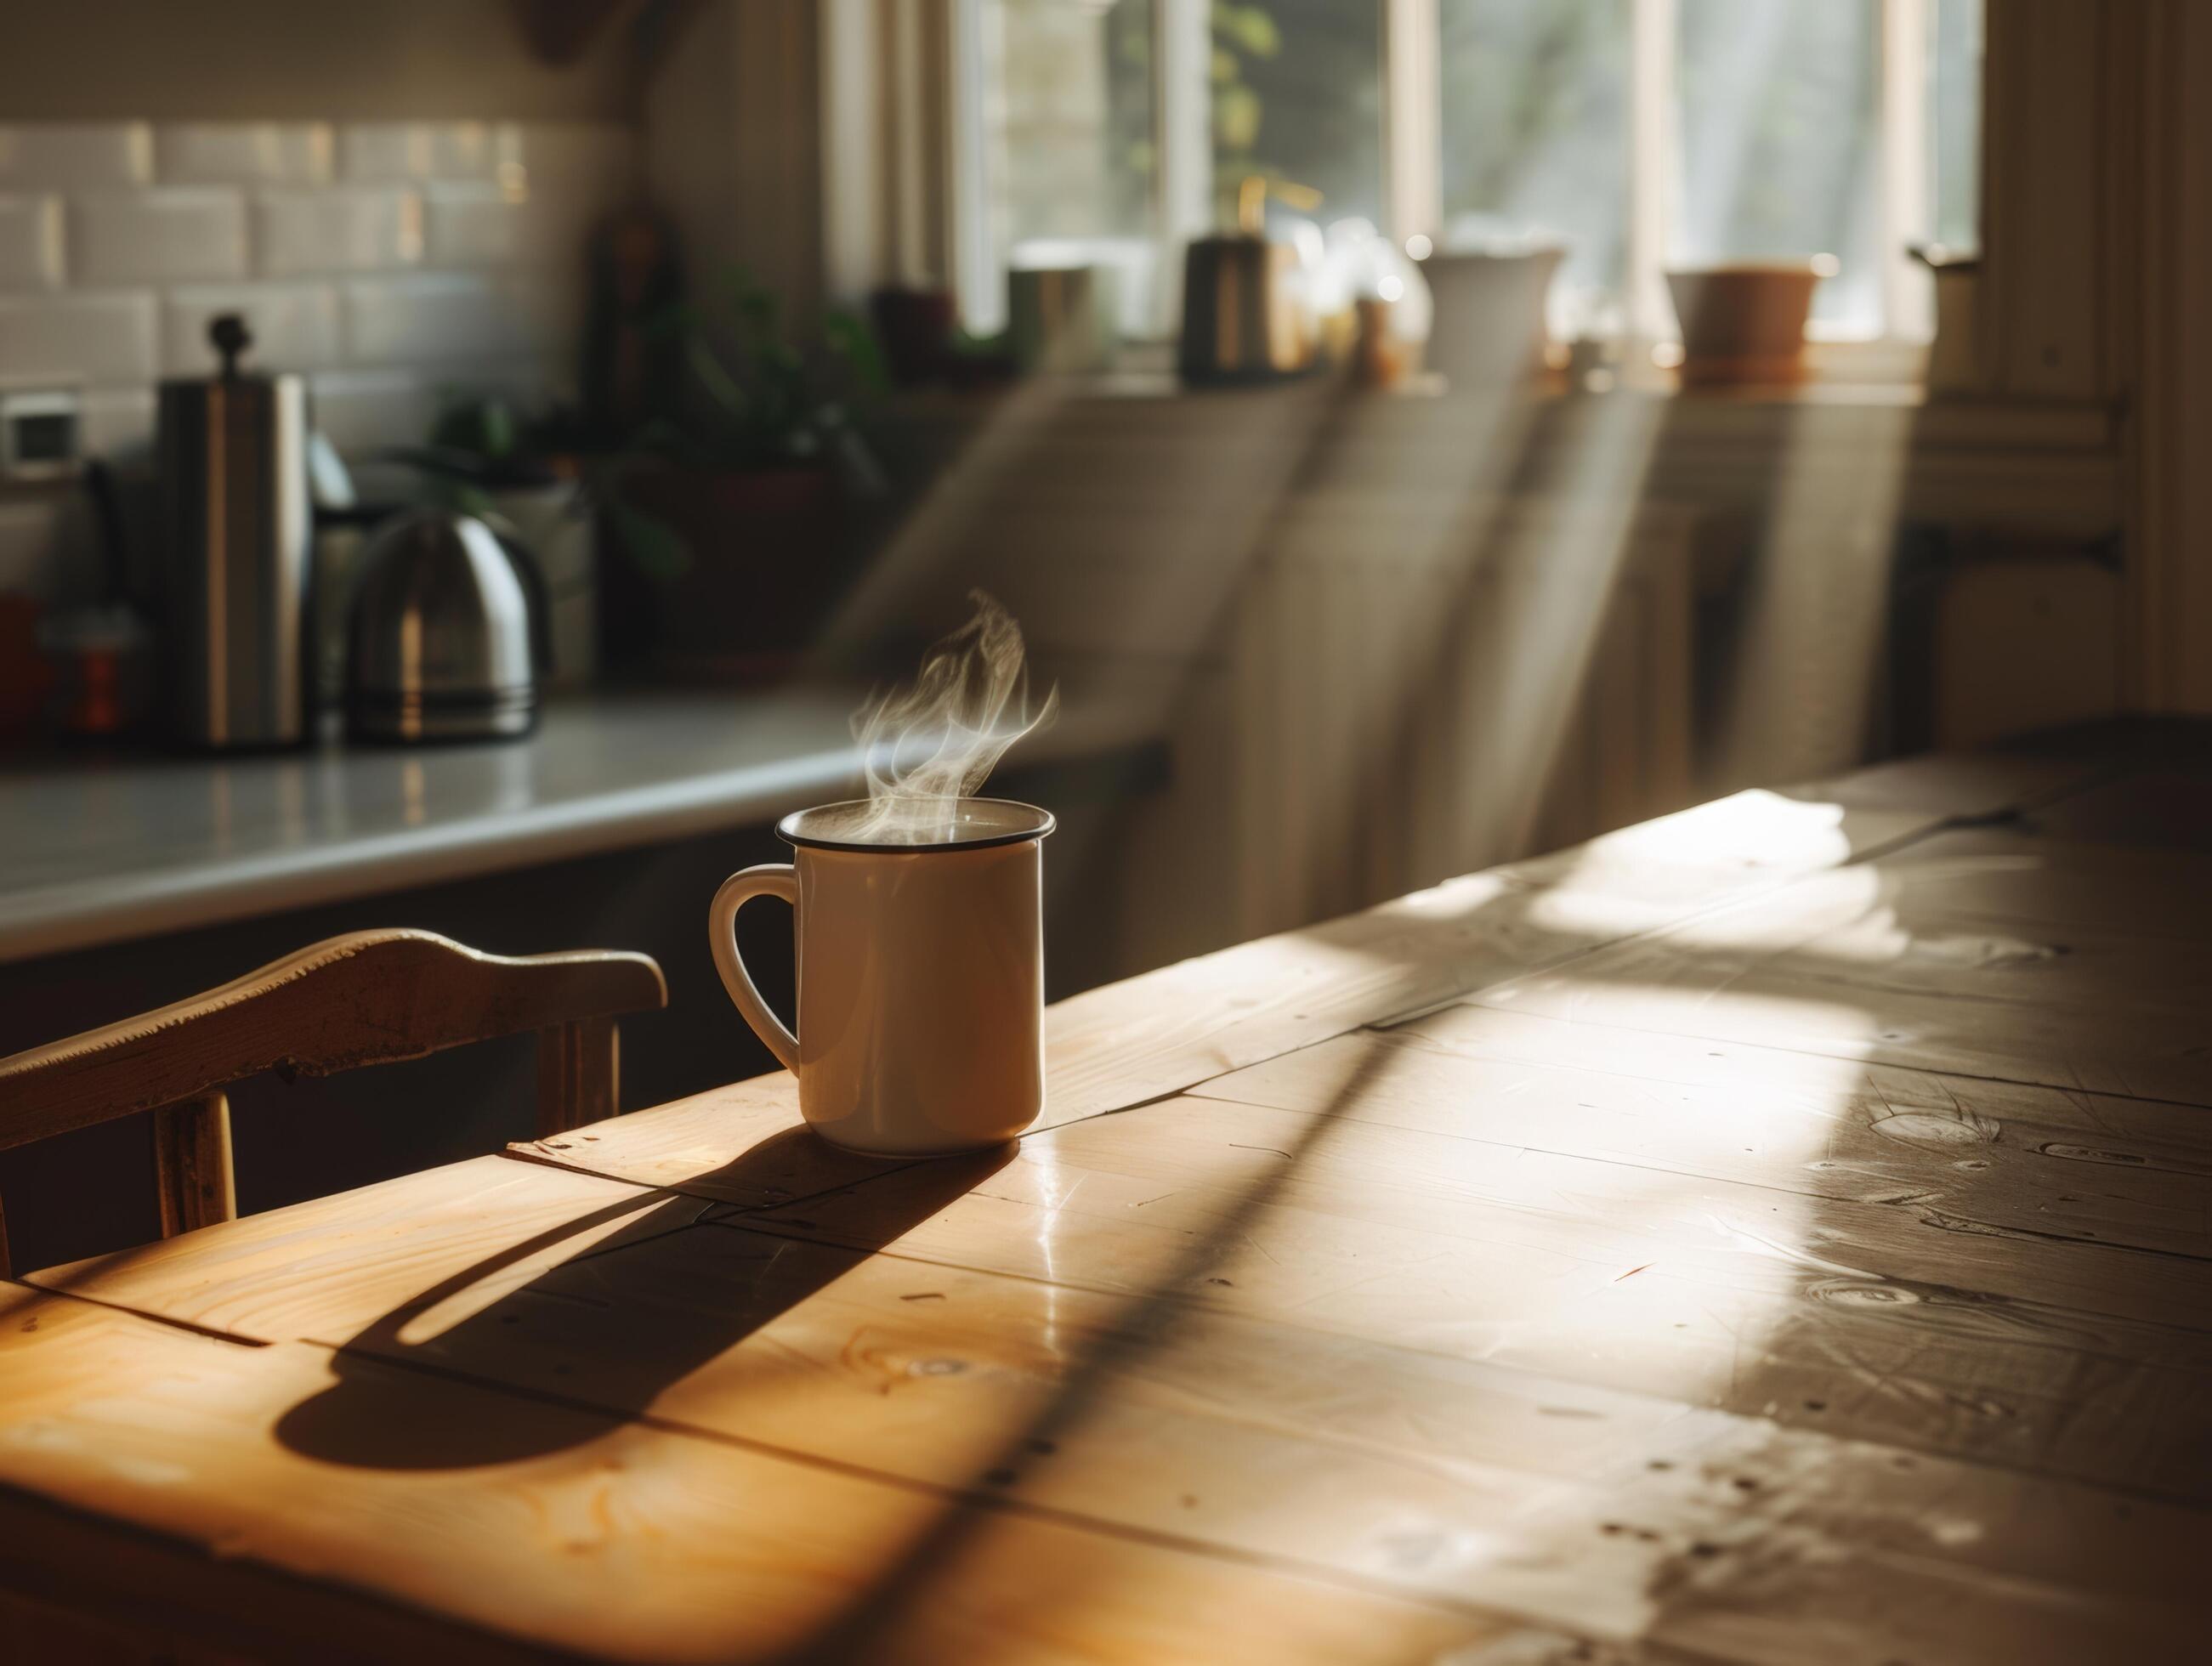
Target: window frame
(1412,155)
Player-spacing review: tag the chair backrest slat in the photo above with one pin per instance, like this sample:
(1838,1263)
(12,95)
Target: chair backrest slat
(366,998)
(192,1179)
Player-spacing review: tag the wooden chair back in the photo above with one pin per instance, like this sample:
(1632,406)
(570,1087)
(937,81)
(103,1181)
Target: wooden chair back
(365,998)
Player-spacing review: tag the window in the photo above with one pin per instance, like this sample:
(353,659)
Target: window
(1954,121)
(1777,129)
(1296,96)
(1638,133)
(1068,125)
(1535,139)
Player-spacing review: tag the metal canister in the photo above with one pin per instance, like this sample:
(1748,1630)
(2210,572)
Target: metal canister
(237,555)
(1246,316)
(1248,305)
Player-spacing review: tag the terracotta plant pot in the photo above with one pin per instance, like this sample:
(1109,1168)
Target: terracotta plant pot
(1744,324)
(766,565)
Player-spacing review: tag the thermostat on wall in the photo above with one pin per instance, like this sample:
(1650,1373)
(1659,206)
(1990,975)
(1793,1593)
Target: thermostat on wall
(39,435)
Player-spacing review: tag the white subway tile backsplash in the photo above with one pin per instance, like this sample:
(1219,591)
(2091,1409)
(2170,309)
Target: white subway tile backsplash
(344,229)
(552,182)
(595,161)
(473,223)
(426,319)
(30,242)
(74,156)
(116,421)
(421,149)
(163,236)
(244,153)
(590,158)
(359,410)
(120,242)
(295,327)
(468,224)
(77,337)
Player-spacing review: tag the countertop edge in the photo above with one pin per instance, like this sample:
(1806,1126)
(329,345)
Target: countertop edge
(68,918)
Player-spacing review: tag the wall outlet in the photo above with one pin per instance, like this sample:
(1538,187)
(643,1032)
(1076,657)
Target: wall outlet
(41,437)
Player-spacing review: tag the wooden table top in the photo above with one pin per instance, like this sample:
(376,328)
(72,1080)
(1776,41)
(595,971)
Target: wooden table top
(1776,1233)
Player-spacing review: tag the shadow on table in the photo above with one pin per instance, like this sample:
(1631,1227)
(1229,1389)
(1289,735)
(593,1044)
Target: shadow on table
(623,1317)
(641,1309)
(1868,1321)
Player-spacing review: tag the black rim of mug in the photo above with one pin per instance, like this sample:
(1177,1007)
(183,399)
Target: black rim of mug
(787,831)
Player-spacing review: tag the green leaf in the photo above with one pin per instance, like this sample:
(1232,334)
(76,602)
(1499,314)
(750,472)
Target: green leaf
(851,340)
(477,424)
(1236,117)
(667,322)
(654,547)
(1250,28)
(861,468)
(498,428)
(714,377)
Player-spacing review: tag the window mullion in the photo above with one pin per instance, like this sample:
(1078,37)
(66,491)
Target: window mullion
(1183,120)
(1906,300)
(909,154)
(1654,168)
(1412,120)
(977,278)
(855,255)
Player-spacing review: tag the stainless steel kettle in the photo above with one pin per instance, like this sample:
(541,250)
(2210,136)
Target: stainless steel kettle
(237,548)
(447,637)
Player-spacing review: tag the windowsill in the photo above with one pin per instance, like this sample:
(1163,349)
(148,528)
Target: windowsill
(1881,370)
(1873,374)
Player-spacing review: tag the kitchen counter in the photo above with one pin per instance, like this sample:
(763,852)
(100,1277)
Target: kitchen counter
(98,850)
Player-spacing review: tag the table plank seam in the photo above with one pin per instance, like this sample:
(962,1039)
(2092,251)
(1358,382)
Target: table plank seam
(1201,1304)
(190,1327)
(1288,1320)
(2075,1094)
(1769,1045)
(1181,1543)
(1317,1572)
(1274,1561)
(530,1153)
(500,1645)
(647,1196)
(1941,1220)
(2095,779)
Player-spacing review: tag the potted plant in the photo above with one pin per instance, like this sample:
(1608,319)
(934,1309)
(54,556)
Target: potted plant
(1743,321)
(725,506)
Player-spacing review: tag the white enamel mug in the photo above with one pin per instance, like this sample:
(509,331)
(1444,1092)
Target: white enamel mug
(920,977)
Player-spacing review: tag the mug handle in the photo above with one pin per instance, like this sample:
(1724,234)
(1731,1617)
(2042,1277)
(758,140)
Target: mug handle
(769,879)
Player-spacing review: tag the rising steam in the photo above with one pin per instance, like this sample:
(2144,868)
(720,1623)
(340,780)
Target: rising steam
(927,745)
